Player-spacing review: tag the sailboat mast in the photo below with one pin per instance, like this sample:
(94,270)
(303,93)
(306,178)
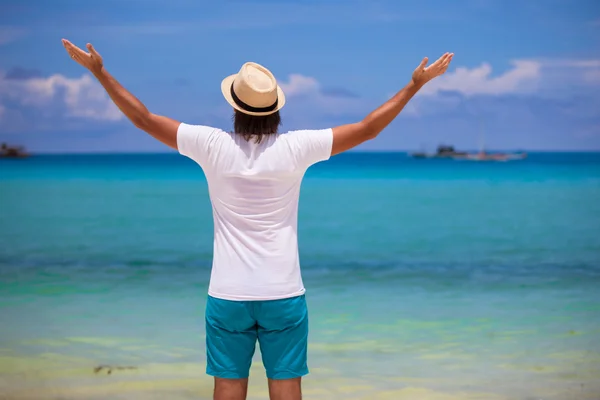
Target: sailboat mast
(481,138)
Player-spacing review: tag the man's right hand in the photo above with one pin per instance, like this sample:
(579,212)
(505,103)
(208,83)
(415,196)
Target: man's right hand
(424,74)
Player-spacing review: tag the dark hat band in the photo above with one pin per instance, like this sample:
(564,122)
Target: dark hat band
(248,107)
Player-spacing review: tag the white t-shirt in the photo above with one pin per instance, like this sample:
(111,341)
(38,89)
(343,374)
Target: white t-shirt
(254,190)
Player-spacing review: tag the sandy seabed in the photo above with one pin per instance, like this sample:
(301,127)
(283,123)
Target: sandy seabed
(58,377)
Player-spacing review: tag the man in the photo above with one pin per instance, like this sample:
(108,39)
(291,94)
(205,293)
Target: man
(254,175)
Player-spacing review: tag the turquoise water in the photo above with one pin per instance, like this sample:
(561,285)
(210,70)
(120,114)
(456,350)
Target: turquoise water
(426,279)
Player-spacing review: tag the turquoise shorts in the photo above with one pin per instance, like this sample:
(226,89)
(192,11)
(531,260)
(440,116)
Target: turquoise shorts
(233,327)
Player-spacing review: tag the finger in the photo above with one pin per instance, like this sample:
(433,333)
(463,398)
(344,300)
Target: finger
(440,59)
(64,43)
(435,64)
(448,59)
(77,59)
(70,47)
(70,53)
(73,49)
(75,56)
(443,58)
(93,51)
(423,63)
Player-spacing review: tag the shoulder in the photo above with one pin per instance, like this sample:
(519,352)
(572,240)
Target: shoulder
(306,135)
(198,141)
(310,145)
(199,133)
(194,130)
(309,131)
(310,136)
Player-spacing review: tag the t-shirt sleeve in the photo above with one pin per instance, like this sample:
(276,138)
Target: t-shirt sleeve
(196,142)
(310,146)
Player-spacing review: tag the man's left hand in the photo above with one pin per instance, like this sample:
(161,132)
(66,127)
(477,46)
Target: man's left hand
(92,60)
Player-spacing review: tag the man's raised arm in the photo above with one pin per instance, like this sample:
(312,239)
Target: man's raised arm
(161,128)
(348,136)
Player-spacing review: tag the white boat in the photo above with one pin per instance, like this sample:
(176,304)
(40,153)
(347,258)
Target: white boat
(482,155)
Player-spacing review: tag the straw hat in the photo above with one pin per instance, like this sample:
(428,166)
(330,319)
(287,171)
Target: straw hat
(253,90)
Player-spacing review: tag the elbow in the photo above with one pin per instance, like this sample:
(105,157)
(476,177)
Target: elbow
(370,132)
(142,121)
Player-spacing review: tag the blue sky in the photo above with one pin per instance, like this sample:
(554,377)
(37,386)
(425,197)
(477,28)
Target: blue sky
(527,74)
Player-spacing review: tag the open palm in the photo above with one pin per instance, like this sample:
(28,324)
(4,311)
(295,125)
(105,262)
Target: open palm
(424,74)
(92,60)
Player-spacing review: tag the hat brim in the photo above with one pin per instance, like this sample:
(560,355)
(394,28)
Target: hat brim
(226,90)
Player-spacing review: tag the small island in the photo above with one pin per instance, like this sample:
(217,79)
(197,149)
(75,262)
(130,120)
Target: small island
(444,151)
(7,151)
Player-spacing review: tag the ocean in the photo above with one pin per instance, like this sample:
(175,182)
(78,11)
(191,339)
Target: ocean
(426,279)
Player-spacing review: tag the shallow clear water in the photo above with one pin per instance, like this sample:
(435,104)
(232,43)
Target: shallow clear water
(425,279)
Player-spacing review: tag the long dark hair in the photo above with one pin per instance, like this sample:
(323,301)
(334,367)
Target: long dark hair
(255,127)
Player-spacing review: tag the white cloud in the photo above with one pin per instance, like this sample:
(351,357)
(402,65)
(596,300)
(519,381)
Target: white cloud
(60,96)
(553,78)
(9,34)
(592,76)
(525,76)
(572,71)
(571,63)
(299,84)
(548,78)
(522,77)
(309,94)
(542,78)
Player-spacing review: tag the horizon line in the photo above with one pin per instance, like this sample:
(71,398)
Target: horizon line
(134,153)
